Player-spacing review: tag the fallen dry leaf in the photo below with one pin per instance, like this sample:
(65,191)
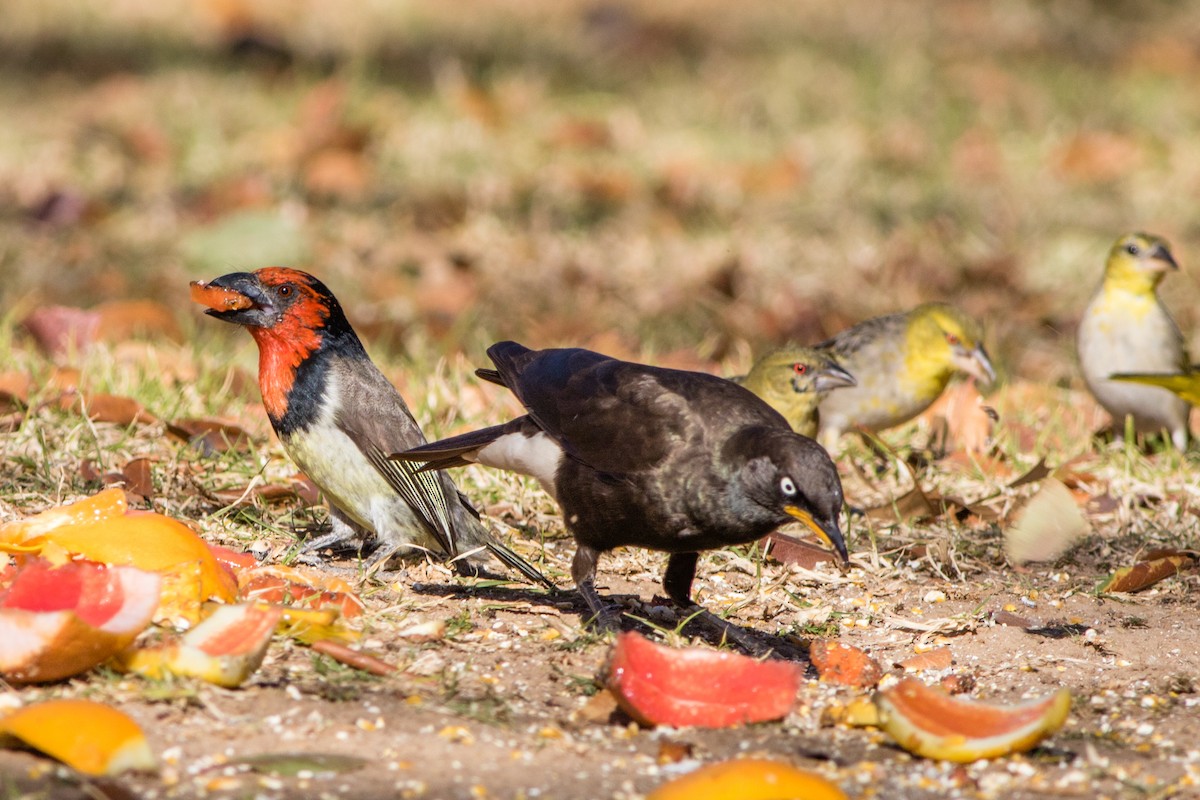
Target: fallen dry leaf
(14,390)
(968,420)
(86,736)
(61,331)
(1145,574)
(101,407)
(211,436)
(788,549)
(120,320)
(353,658)
(659,685)
(1046,527)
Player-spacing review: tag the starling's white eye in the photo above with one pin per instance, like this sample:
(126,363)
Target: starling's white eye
(787,486)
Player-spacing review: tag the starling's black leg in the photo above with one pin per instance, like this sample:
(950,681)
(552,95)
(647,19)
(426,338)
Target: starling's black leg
(677,581)
(583,571)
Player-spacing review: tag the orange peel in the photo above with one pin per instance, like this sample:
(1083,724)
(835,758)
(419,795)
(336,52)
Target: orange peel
(658,685)
(225,649)
(102,528)
(59,622)
(748,779)
(218,298)
(90,737)
(931,723)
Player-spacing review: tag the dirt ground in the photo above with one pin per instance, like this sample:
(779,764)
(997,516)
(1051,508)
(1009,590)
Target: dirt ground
(507,704)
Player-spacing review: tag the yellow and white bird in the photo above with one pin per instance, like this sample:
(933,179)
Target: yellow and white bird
(902,363)
(1126,328)
(793,380)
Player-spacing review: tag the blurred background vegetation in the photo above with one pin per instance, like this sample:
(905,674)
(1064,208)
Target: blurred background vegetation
(678,179)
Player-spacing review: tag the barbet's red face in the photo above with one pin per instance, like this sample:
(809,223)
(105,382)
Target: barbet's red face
(285,310)
(266,298)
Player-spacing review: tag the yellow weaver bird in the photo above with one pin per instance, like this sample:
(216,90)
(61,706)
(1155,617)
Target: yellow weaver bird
(793,379)
(902,363)
(1127,329)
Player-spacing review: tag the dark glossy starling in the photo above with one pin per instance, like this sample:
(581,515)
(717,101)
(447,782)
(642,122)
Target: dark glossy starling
(658,458)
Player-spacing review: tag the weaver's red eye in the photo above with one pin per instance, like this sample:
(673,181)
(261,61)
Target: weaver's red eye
(951,339)
(800,369)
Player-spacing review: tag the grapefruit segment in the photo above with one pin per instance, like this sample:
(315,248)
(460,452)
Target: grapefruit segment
(931,723)
(658,685)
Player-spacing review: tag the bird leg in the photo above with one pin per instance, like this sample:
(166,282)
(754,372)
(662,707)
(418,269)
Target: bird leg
(677,581)
(604,616)
(343,531)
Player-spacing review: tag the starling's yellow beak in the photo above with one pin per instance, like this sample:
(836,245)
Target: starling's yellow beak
(829,533)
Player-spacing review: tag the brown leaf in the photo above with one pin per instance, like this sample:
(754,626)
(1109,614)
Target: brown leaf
(211,436)
(1034,474)
(353,658)
(62,330)
(138,478)
(939,658)
(1011,620)
(101,407)
(788,549)
(14,389)
(914,505)
(65,379)
(844,664)
(582,134)
(1146,573)
(121,320)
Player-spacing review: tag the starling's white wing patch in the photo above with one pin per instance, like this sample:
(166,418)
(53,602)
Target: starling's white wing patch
(537,456)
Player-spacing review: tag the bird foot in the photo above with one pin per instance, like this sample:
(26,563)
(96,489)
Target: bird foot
(729,632)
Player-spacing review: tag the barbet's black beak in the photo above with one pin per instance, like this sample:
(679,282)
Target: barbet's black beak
(827,531)
(238,297)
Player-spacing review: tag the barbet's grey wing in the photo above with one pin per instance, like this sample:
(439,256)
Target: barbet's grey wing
(379,422)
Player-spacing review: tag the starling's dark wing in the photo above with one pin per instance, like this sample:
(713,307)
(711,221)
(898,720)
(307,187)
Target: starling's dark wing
(619,417)
(454,451)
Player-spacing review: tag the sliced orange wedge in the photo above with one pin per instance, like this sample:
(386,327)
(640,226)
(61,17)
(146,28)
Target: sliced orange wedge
(102,528)
(293,586)
(658,685)
(225,649)
(748,779)
(87,736)
(108,504)
(218,297)
(931,723)
(59,621)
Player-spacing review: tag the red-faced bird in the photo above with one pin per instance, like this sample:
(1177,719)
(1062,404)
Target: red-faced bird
(338,418)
